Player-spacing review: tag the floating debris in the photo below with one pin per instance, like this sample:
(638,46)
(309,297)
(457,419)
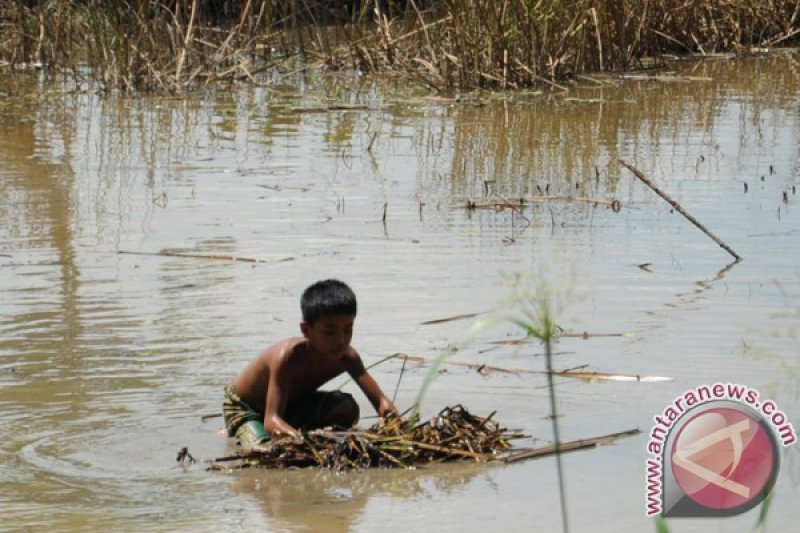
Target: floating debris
(500,202)
(330,109)
(454,434)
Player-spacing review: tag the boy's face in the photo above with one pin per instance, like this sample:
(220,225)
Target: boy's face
(330,335)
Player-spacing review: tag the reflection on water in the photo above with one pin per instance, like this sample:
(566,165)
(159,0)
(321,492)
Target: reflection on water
(107,359)
(339,501)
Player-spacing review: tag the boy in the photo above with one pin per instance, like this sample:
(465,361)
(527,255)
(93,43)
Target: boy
(277,392)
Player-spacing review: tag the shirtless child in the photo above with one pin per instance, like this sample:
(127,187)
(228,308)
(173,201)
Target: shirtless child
(276,394)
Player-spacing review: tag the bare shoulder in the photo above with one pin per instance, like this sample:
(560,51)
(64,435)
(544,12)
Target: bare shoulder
(352,353)
(252,381)
(352,360)
(283,352)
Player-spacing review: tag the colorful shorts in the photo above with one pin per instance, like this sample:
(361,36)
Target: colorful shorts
(306,413)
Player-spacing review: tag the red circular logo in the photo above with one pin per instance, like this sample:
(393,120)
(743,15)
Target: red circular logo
(724,458)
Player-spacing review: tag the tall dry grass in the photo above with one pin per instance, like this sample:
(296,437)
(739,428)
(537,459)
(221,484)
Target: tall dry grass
(174,45)
(518,43)
(139,44)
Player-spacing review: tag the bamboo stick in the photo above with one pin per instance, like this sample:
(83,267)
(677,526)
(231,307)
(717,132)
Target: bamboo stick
(574,445)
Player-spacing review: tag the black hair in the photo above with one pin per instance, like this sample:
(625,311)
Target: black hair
(327,297)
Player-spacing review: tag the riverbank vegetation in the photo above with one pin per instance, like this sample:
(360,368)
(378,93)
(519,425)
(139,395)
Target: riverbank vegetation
(174,45)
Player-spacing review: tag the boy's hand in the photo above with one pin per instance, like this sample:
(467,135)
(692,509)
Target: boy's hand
(320,432)
(387,408)
(286,432)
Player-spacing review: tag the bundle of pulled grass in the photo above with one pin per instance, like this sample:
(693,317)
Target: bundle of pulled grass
(454,434)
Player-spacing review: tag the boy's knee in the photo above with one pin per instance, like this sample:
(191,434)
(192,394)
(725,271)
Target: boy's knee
(251,433)
(345,412)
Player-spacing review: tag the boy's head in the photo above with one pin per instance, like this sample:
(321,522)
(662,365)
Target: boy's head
(325,298)
(329,309)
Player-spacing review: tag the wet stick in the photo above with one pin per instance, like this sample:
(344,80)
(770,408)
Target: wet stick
(679,209)
(372,141)
(501,202)
(373,365)
(204,256)
(514,208)
(568,373)
(564,334)
(579,444)
(451,318)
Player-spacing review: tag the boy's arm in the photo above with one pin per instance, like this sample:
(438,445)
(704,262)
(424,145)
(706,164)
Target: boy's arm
(275,405)
(382,404)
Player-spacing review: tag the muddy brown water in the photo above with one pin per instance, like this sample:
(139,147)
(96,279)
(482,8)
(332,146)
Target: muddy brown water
(108,359)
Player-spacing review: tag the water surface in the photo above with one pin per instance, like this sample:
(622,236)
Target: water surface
(110,352)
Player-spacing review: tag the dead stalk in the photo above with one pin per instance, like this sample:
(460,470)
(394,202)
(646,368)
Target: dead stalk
(186,43)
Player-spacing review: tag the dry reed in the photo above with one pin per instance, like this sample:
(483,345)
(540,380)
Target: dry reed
(449,44)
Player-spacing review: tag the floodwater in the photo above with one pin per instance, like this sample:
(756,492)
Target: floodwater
(111,349)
